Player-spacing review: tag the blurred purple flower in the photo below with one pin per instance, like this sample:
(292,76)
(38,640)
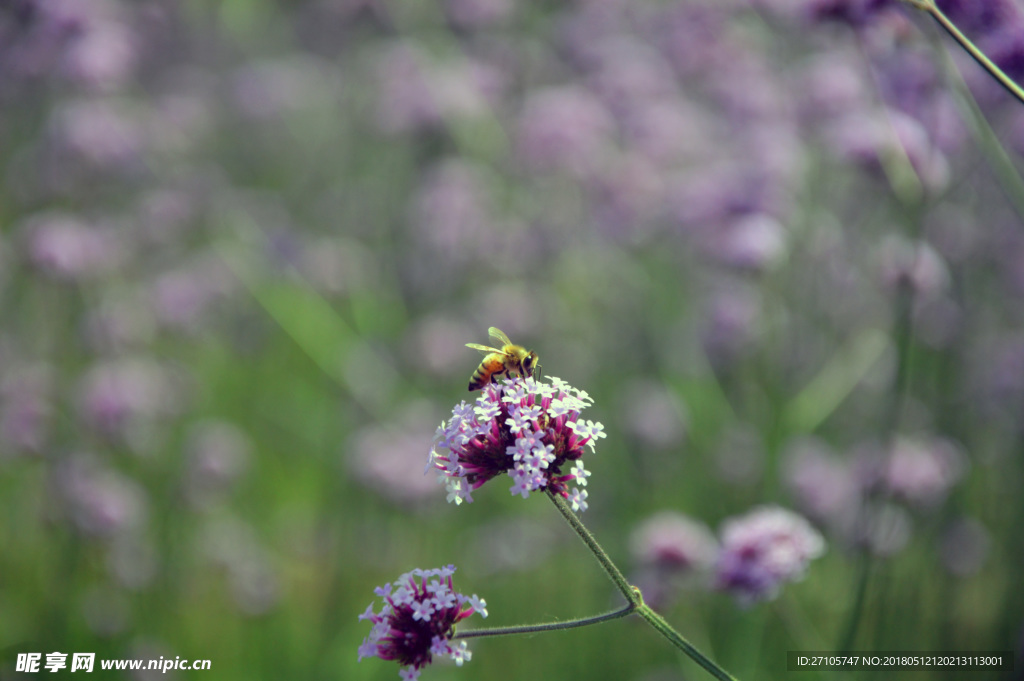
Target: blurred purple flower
(921,472)
(417,94)
(118,395)
(875,141)
(437,343)
(672,541)
(103,134)
(670,133)
(103,55)
(628,76)
(695,36)
(388,458)
(564,128)
(917,267)
(672,552)
(451,212)
(730,325)
(266,90)
(217,454)
(182,297)
(764,549)
(653,414)
(752,242)
(703,202)
(25,394)
(831,85)
(822,484)
(100,501)
(86,41)
(65,247)
(627,198)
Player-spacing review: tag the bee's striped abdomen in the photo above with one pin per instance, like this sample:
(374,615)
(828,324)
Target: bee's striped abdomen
(490,368)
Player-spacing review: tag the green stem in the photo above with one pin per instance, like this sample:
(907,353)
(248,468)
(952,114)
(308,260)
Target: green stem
(633,595)
(949,27)
(999,161)
(666,630)
(551,626)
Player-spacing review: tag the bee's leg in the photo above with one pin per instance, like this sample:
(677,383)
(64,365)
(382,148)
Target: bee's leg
(495,375)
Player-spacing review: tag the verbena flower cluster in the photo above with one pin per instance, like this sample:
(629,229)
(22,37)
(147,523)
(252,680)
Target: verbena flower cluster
(523,427)
(417,620)
(764,549)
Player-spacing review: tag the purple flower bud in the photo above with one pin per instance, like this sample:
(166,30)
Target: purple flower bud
(764,549)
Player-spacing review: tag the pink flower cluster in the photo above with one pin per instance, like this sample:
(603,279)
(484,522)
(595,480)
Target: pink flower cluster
(522,427)
(417,620)
(764,549)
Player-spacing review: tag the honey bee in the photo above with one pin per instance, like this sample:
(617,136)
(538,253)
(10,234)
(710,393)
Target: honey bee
(510,359)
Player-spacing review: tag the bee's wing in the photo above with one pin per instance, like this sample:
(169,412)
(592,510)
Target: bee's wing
(484,349)
(499,335)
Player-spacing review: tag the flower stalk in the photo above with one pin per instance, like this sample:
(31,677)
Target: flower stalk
(550,626)
(949,27)
(633,594)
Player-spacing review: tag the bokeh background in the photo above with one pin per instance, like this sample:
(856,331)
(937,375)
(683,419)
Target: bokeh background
(243,244)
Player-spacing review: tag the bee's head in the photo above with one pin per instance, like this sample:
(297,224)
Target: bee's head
(530,364)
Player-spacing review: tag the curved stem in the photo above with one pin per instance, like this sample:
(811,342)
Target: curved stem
(551,626)
(949,27)
(666,630)
(631,593)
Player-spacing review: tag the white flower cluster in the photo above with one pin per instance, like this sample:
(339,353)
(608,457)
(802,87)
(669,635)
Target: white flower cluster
(433,601)
(468,450)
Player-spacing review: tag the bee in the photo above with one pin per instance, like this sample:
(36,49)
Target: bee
(510,359)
